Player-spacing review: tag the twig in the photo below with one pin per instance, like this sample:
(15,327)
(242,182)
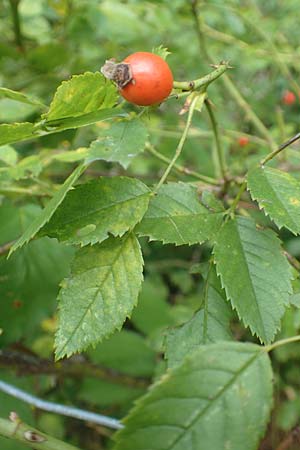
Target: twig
(292,437)
(293,261)
(179,168)
(229,135)
(280,148)
(273,49)
(204,81)
(6,190)
(234,92)
(219,147)
(26,364)
(20,431)
(276,344)
(230,39)
(58,408)
(14,5)
(236,199)
(4,248)
(181,143)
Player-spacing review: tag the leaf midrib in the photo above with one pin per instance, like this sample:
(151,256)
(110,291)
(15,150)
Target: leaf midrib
(218,395)
(251,282)
(98,210)
(95,295)
(191,214)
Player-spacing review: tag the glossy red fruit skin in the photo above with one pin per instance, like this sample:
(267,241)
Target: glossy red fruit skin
(152,79)
(289,98)
(243,141)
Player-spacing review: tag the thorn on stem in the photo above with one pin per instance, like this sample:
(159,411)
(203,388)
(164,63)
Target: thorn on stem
(13,417)
(32,436)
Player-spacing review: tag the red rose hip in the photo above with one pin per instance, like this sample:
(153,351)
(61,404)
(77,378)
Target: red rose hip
(152,79)
(243,141)
(288,98)
(143,78)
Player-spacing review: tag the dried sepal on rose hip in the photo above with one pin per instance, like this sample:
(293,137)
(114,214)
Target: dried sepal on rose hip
(143,78)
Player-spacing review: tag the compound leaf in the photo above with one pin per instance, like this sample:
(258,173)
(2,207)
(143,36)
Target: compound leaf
(219,398)
(255,274)
(93,210)
(100,293)
(175,215)
(278,193)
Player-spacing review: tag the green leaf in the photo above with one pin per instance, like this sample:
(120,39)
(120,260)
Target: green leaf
(211,202)
(49,210)
(14,132)
(210,324)
(295,300)
(99,294)
(255,275)
(19,97)
(93,210)
(71,156)
(53,126)
(8,155)
(219,398)
(126,352)
(122,142)
(175,215)
(82,94)
(83,100)
(278,193)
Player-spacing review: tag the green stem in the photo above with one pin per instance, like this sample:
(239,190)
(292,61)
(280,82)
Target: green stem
(204,81)
(181,143)
(4,248)
(263,162)
(281,123)
(29,436)
(181,169)
(277,344)
(232,40)
(250,114)
(205,309)
(272,47)
(231,88)
(14,5)
(20,190)
(219,147)
(229,135)
(237,199)
(279,149)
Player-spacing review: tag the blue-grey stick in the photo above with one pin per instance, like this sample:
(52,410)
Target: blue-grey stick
(69,411)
